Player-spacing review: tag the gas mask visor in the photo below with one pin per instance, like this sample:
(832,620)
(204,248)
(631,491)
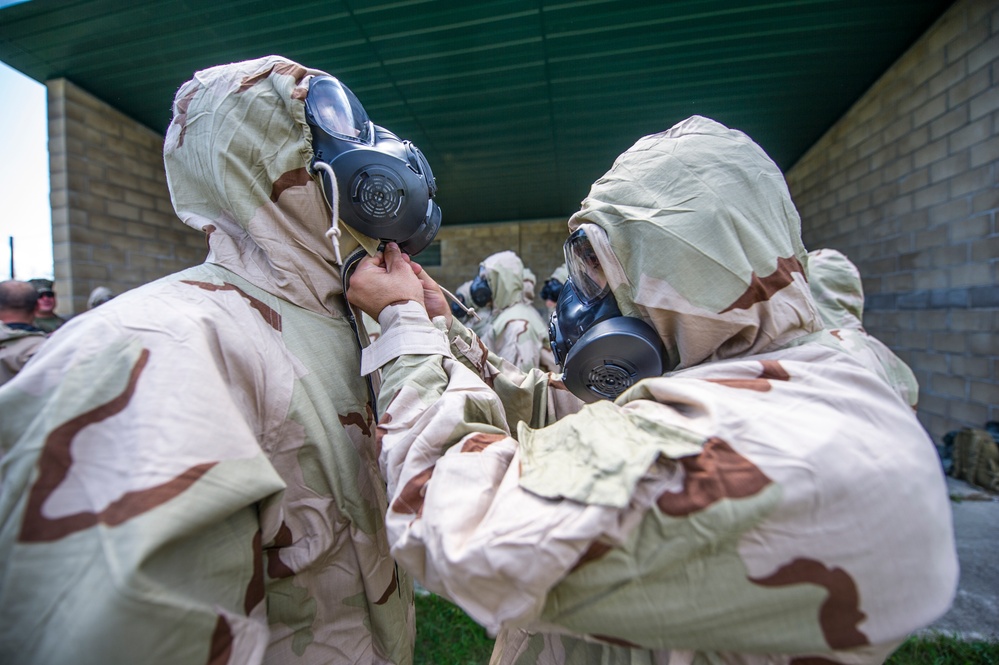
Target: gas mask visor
(385,184)
(601,352)
(585,271)
(334,109)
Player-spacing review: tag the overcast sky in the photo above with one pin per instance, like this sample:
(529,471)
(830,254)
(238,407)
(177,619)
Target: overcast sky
(25,214)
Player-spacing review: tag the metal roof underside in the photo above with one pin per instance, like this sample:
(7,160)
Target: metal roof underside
(518,104)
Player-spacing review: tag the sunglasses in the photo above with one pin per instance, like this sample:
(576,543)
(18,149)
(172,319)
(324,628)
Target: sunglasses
(46,294)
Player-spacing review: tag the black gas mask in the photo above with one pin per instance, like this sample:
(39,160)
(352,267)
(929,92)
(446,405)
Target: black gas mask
(480,290)
(386,187)
(457,311)
(601,352)
(551,289)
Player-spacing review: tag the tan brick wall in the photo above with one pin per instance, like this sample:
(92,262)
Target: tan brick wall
(906,185)
(538,243)
(112,221)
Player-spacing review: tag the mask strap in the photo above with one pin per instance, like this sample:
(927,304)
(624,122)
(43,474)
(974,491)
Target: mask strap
(454,299)
(333,234)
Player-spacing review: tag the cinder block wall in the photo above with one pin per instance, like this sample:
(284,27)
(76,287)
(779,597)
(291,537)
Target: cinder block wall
(538,243)
(112,221)
(905,184)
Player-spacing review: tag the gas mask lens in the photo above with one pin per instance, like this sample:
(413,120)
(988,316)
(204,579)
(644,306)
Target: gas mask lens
(384,185)
(334,108)
(585,270)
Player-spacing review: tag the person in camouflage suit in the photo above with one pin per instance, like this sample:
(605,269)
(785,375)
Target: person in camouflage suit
(19,339)
(767,500)
(839,296)
(189,471)
(553,286)
(516,330)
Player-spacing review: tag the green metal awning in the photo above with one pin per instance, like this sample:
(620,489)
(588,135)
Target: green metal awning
(518,104)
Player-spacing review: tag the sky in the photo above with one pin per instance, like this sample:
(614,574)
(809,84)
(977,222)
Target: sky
(25,213)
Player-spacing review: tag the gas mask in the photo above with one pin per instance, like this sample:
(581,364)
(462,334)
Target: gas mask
(601,352)
(386,187)
(480,290)
(457,311)
(551,289)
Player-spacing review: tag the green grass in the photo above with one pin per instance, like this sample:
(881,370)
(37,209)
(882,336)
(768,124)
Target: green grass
(945,650)
(447,636)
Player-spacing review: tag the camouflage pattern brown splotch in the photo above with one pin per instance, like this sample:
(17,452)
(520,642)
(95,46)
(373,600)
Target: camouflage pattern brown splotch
(516,330)
(190,470)
(769,501)
(839,296)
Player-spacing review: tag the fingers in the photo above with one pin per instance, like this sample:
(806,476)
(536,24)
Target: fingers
(394,258)
(424,278)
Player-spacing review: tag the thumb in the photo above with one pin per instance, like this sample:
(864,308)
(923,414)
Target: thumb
(393,257)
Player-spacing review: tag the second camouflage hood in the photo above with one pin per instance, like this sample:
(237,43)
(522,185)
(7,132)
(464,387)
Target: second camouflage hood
(237,156)
(706,243)
(505,274)
(836,288)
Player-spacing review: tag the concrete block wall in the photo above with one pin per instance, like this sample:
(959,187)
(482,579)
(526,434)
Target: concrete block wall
(463,247)
(112,221)
(906,185)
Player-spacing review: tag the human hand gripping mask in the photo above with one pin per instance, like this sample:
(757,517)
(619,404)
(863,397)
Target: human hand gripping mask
(385,184)
(601,352)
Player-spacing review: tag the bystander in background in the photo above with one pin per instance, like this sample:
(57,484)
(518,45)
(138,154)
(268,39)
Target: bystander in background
(45,316)
(19,339)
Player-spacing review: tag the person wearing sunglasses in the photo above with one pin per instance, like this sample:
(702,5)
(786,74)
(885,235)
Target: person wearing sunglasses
(45,317)
(728,485)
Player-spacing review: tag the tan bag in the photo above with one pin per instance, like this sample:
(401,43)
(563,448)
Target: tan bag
(976,458)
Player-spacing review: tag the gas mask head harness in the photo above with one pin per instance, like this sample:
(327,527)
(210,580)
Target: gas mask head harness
(601,352)
(386,187)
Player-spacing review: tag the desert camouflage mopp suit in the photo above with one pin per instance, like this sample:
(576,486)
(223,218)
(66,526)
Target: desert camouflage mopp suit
(839,296)
(769,500)
(189,472)
(516,330)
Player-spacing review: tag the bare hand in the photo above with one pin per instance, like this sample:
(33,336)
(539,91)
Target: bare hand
(384,279)
(433,298)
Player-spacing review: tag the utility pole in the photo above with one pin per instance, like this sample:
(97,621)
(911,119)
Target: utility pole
(11,240)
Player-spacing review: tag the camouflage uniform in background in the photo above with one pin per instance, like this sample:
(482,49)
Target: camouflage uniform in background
(464,293)
(18,344)
(530,280)
(190,472)
(561,274)
(547,357)
(52,321)
(769,500)
(516,330)
(839,296)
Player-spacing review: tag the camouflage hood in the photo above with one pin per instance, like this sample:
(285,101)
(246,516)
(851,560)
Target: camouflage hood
(237,154)
(706,243)
(561,274)
(505,273)
(836,288)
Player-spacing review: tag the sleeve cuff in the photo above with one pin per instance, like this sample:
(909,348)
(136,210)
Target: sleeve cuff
(406,330)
